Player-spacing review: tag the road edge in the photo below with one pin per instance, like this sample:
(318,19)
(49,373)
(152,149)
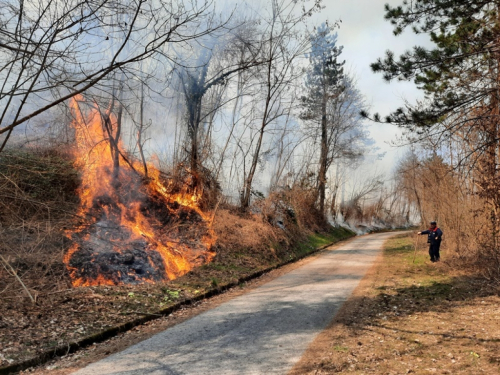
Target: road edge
(102,336)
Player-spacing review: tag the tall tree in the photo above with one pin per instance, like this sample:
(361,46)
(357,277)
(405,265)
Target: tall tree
(331,107)
(282,44)
(324,84)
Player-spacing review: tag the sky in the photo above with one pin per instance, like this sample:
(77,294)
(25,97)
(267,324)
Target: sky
(366,35)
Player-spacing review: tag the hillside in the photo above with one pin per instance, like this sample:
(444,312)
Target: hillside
(42,310)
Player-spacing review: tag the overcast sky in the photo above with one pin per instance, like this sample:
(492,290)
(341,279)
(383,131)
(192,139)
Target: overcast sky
(366,35)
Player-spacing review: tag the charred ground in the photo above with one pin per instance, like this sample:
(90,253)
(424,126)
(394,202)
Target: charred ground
(106,250)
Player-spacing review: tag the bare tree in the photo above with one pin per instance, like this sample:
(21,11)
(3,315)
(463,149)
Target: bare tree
(206,76)
(282,45)
(53,50)
(353,208)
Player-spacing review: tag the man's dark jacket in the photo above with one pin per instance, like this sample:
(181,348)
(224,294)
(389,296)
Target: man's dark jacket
(433,235)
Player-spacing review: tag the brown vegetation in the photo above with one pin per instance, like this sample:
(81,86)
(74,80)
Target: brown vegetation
(440,192)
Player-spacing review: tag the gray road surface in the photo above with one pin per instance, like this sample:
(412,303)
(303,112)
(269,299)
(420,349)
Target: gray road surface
(265,331)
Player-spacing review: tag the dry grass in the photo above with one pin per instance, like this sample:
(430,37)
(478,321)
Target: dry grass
(37,201)
(295,206)
(411,318)
(245,231)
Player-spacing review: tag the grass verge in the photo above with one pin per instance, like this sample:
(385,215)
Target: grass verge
(411,316)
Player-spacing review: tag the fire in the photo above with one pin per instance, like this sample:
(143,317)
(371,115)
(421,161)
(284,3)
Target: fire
(135,229)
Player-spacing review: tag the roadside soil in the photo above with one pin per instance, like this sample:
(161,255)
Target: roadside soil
(411,316)
(72,362)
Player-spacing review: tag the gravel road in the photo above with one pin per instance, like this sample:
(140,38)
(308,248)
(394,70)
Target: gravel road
(265,331)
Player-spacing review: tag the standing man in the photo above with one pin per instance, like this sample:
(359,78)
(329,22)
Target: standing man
(434,240)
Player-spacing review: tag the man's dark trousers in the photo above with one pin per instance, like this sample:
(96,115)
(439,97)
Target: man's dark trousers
(434,250)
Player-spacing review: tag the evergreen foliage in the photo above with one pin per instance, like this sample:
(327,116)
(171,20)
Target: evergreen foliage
(460,73)
(331,108)
(326,72)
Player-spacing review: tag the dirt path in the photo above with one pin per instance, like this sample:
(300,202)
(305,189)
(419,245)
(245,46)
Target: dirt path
(265,331)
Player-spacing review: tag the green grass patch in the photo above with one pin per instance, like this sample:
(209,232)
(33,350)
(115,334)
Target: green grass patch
(340,348)
(317,240)
(403,248)
(401,244)
(422,279)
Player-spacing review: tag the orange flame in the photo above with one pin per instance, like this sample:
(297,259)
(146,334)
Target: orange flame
(118,218)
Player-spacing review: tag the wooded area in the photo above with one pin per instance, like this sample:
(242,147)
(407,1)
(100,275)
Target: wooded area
(140,139)
(218,95)
(254,111)
(452,172)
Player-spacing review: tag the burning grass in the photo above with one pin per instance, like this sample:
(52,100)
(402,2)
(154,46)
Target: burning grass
(135,224)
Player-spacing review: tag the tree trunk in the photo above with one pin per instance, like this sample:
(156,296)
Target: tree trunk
(247,190)
(140,131)
(323,158)
(194,108)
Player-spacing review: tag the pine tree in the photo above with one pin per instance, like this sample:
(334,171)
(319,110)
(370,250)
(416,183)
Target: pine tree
(461,72)
(323,84)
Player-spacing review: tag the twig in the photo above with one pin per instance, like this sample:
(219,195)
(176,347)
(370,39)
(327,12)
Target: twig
(415,245)
(17,277)
(215,211)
